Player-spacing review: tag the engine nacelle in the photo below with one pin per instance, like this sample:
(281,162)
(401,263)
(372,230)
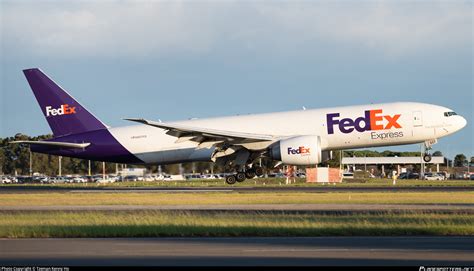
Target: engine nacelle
(299,150)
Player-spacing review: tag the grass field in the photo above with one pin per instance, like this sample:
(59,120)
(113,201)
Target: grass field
(174,223)
(45,199)
(25,224)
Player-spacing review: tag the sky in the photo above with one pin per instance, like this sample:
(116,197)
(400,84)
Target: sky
(174,60)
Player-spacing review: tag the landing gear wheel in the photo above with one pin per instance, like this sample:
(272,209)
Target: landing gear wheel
(230,179)
(258,171)
(240,176)
(250,173)
(427,157)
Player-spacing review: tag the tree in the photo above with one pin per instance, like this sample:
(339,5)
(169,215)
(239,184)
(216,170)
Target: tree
(437,153)
(460,160)
(2,159)
(334,162)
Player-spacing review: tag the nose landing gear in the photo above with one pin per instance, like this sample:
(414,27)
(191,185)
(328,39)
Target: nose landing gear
(426,147)
(427,157)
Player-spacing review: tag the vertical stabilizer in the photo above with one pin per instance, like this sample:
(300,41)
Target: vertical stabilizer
(64,114)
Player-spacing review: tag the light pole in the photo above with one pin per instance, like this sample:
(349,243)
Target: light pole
(103,170)
(31,162)
(422,170)
(365,163)
(341,153)
(59,161)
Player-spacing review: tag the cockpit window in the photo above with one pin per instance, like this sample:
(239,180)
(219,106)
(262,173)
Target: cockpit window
(449,114)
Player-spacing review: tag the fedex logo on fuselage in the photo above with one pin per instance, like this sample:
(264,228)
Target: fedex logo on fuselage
(372,120)
(301,150)
(64,109)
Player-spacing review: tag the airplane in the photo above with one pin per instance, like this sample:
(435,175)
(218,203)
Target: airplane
(302,137)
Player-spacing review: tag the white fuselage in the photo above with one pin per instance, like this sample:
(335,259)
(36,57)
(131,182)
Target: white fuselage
(396,124)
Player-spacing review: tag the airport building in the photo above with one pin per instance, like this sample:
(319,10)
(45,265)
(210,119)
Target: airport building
(384,161)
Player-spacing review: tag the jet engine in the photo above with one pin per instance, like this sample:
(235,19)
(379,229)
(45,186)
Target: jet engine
(299,150)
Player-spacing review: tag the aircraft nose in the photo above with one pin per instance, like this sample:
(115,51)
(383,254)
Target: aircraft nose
(462,122)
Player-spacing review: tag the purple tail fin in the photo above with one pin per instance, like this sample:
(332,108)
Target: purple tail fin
(65,115)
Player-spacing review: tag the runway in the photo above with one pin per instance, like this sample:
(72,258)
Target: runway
(271,251)
(230,189)
(313,208)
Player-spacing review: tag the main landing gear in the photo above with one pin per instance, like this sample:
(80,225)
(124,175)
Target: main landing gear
(249,173)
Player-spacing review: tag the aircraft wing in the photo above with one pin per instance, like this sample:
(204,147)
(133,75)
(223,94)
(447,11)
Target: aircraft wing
(53,144)
(201,135)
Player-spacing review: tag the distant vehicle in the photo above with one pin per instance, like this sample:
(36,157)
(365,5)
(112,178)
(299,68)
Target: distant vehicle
(458,176)
(106,180)
(133,178)
(13,179)
(348,175)
(430,176)
(5,180)
(166,177)
(55,180)
(159,177)
(130,178)
(301,175)
(155,177)
(24,179)
(193,176)
(149,178)
(471,177)
(445,174)
(89,179)
(116,178)
(276,175)
(42,179)
(78,180)
(37,179)
(210,176)
(96,177)
(68,179)
(409,176)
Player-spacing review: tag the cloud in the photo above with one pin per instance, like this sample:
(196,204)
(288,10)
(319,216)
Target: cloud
(154,29)
(391,27)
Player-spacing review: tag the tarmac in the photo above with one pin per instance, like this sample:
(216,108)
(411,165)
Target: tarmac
(287,208)
(240,251)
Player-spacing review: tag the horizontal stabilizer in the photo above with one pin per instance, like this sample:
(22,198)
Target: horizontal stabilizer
(54,144)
